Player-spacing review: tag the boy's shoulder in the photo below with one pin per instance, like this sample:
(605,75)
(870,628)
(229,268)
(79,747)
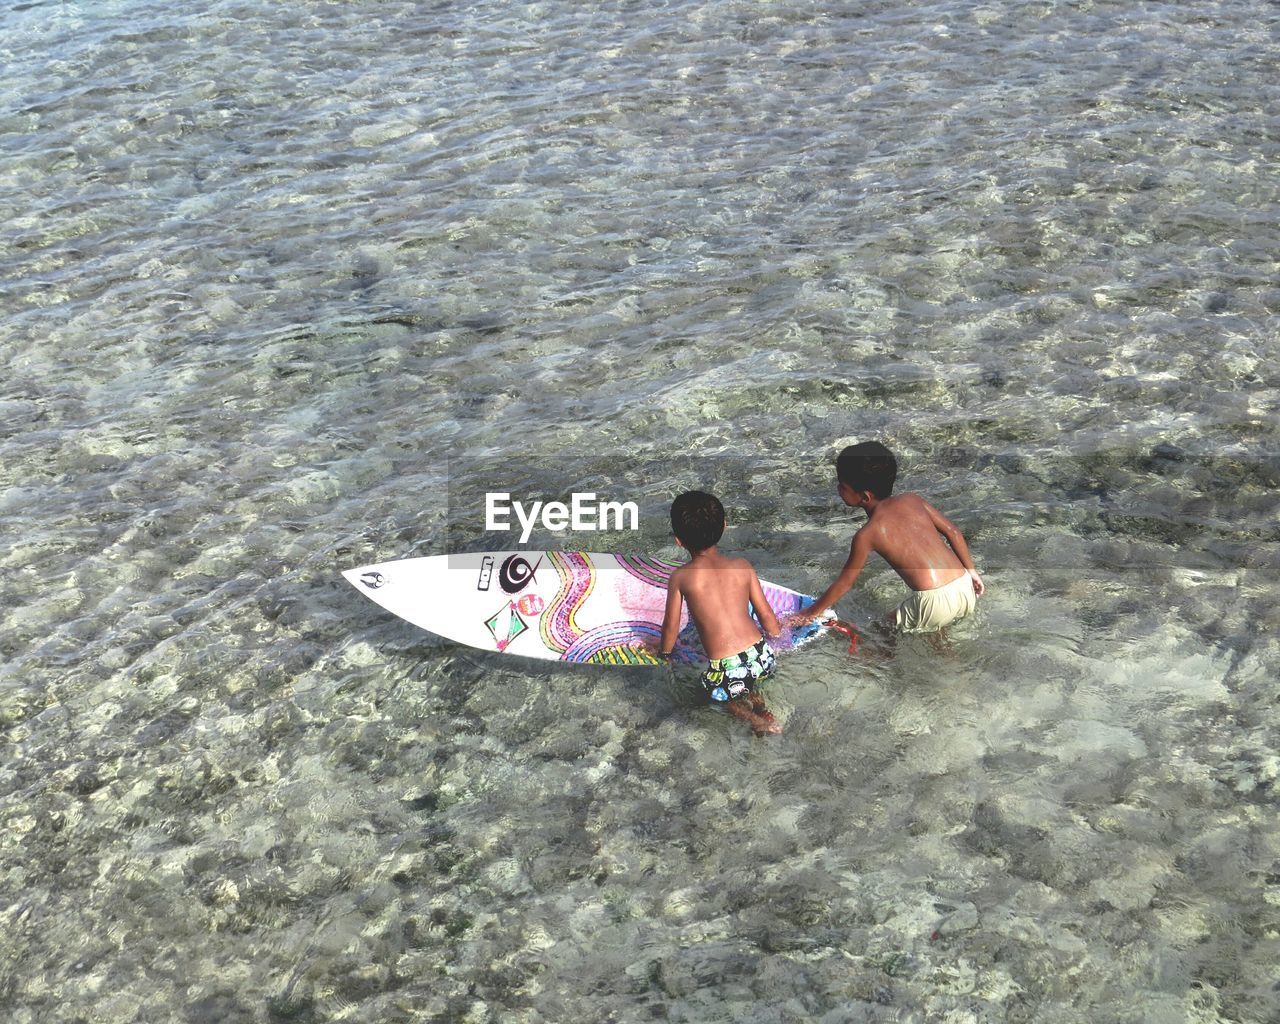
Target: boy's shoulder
(906,502)
(912,498)
(698,567)
(891,512)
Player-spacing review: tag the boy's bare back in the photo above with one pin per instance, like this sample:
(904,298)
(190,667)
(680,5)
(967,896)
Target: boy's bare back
(717,589)
(907,532)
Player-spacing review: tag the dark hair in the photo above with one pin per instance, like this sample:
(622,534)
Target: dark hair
(697,519)
(868,466)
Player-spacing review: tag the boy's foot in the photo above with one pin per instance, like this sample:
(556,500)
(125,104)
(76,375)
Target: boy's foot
(767,725)
(756,715)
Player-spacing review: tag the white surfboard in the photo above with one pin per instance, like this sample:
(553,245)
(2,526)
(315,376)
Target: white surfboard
(574,606)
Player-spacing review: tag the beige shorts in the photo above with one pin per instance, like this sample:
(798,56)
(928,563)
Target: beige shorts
(927,610)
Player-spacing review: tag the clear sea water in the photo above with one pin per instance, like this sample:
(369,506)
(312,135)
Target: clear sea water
(274,277)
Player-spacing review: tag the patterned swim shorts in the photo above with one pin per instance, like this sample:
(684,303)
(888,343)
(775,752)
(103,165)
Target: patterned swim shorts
(729,678)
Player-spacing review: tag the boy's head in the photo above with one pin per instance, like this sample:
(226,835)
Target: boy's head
(697,520)
(868,466)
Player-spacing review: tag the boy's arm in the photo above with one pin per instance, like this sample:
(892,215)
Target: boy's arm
(858,552)
(764,611)
(959,545)
(671,618)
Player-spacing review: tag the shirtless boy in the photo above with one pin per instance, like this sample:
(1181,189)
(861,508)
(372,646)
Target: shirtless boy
(925,548)
(717,589)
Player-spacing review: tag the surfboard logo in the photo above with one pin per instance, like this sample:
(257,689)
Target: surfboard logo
(373,580)
(516,573)
(506,624)
(486,573)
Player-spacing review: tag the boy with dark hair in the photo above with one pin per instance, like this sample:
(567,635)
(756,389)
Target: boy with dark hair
(922,545)
(717,589)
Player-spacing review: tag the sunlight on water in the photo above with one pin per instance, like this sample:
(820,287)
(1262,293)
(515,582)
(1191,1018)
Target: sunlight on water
(279,281)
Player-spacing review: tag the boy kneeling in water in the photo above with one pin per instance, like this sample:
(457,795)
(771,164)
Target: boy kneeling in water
(717,589)
(925,547)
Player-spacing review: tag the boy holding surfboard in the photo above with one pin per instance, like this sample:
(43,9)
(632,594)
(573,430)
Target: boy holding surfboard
(717,589)
(922,545)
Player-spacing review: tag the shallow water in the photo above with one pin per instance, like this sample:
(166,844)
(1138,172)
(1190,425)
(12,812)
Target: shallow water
(279,280)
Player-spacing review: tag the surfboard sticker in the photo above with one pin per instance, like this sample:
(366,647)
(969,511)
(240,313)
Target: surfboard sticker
(572,606)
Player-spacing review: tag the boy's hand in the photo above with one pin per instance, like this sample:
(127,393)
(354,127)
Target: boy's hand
(979,588)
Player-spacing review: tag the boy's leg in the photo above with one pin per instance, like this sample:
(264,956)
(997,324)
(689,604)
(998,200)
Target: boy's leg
(759,717)
(766,722)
